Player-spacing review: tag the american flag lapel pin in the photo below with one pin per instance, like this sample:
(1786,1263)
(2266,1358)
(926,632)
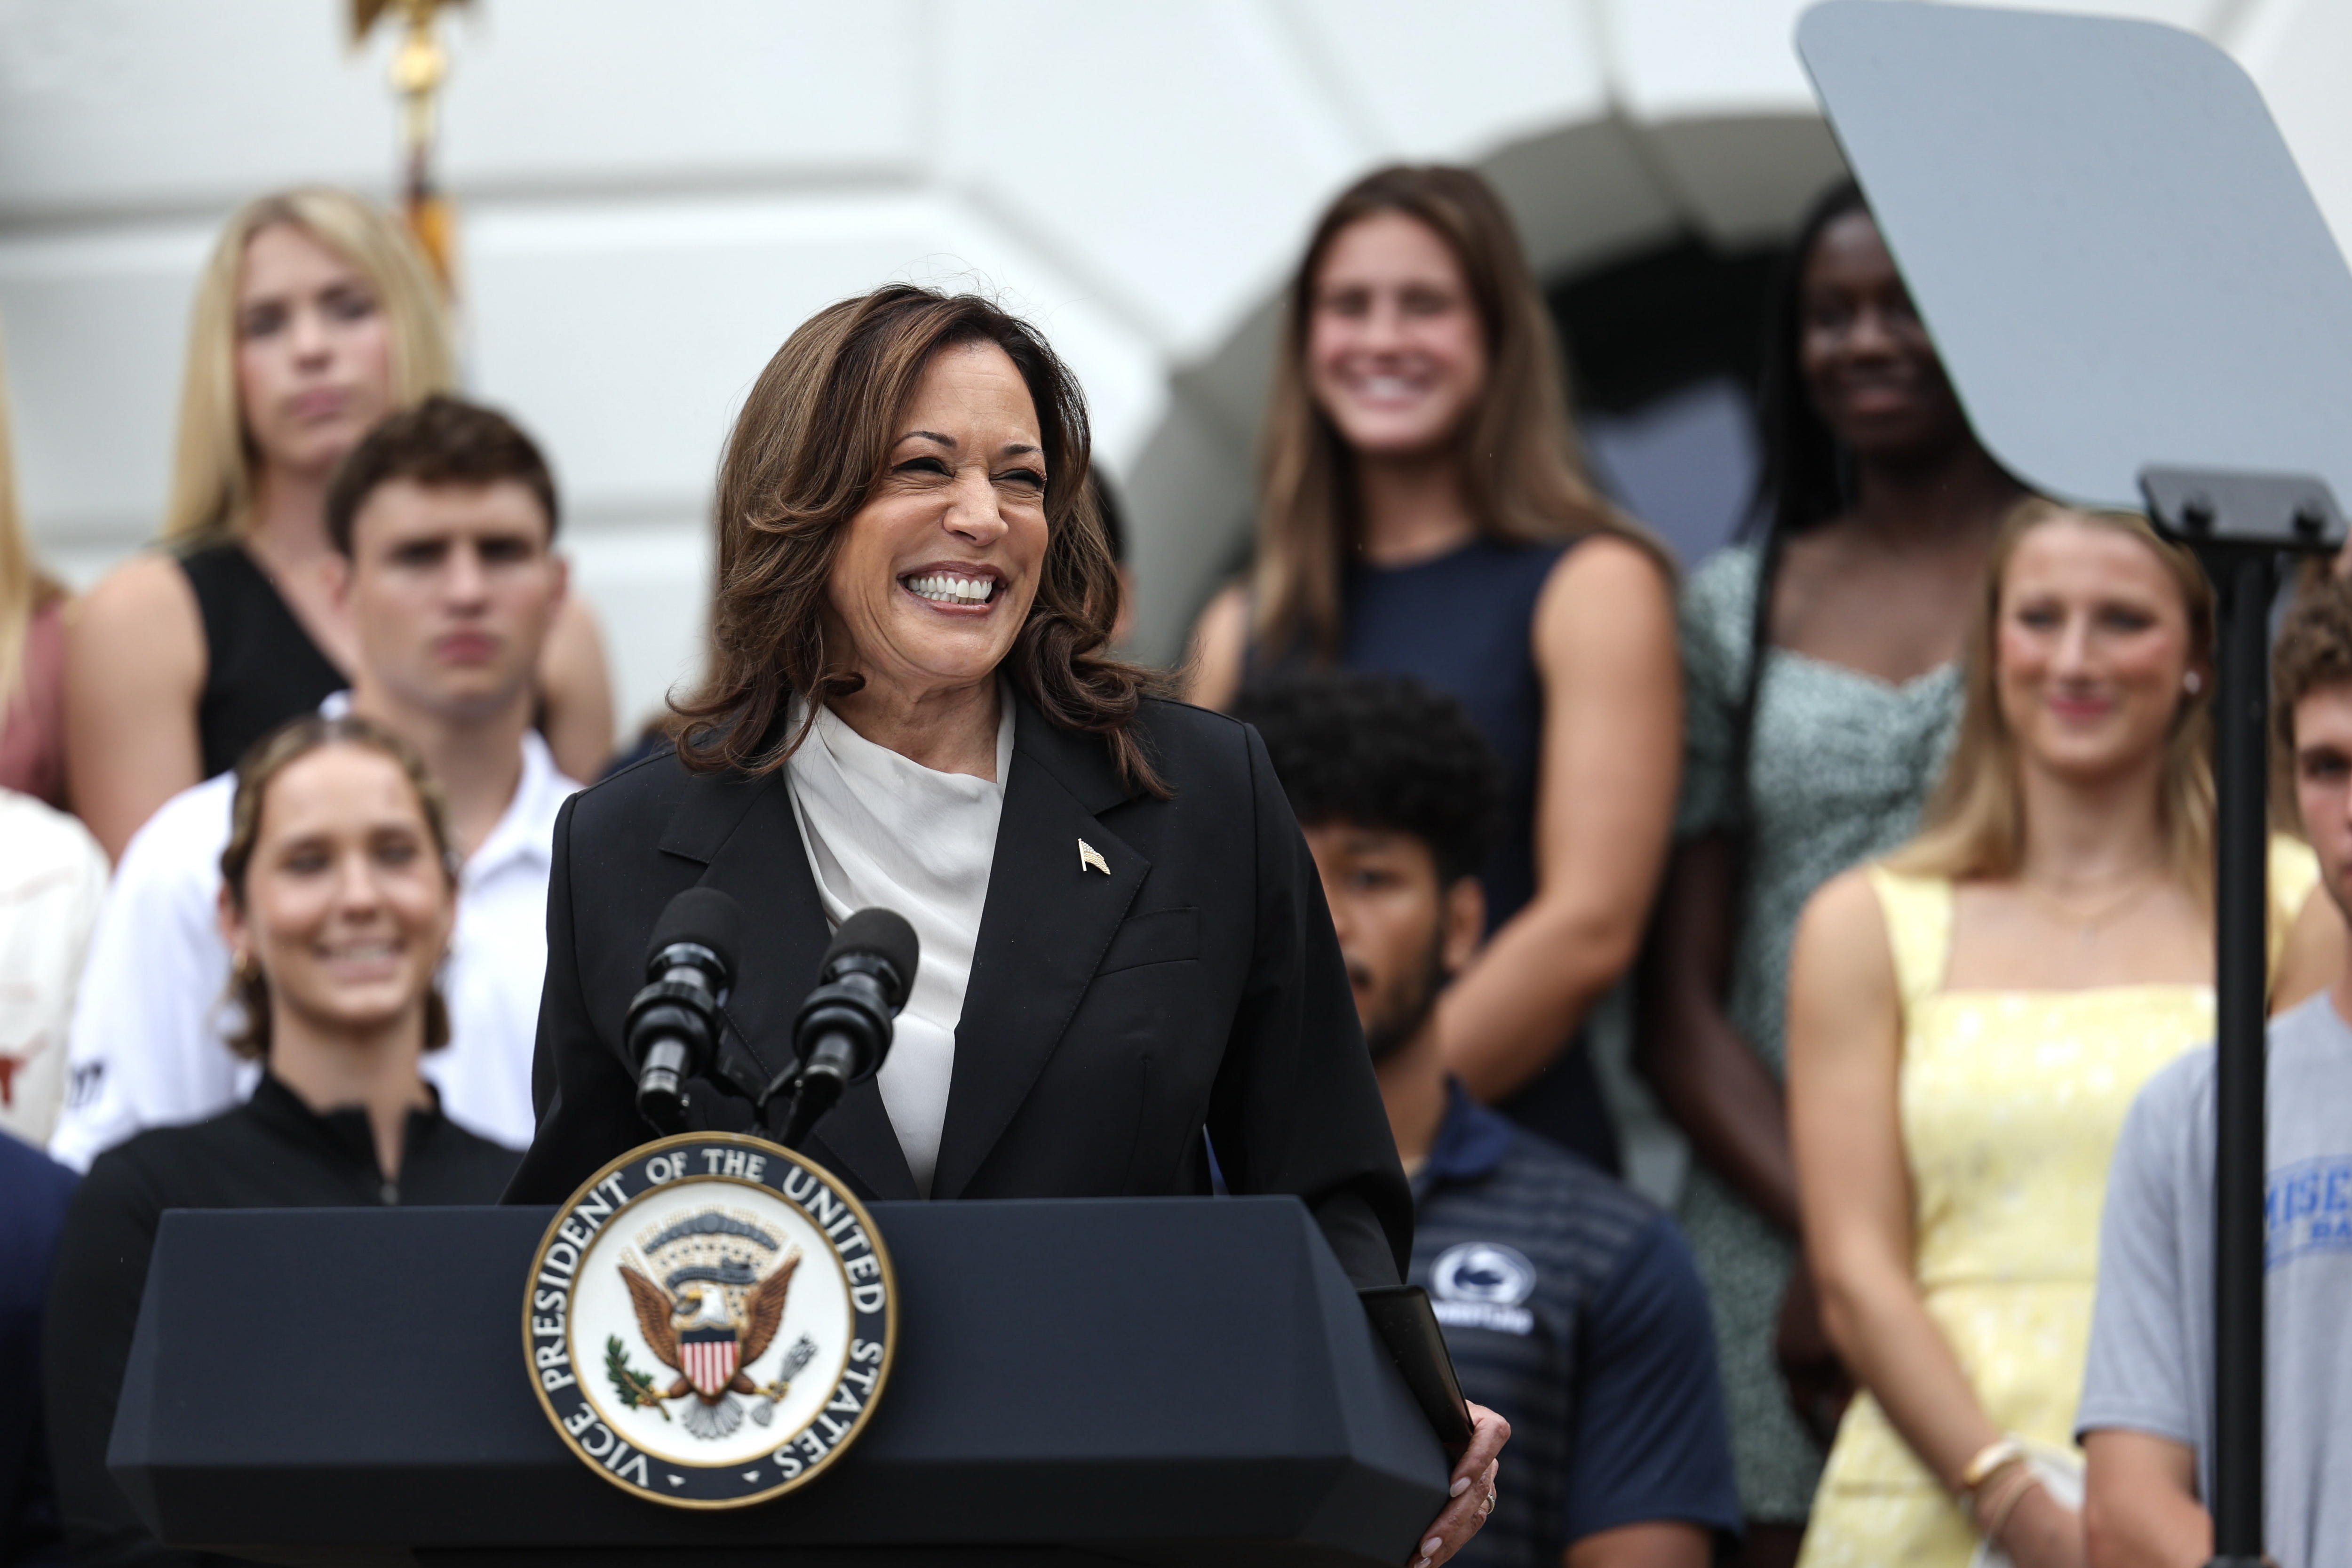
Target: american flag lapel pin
(1089,857)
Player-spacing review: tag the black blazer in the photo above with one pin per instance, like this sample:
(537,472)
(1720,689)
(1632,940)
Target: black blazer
(1109,1020)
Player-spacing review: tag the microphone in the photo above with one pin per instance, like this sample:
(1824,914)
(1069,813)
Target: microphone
(672,1032)
(843,1031)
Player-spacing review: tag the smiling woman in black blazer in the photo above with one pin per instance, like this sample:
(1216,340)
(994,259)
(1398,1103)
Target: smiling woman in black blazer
(1178,974)
(1125,940)
(1126,946)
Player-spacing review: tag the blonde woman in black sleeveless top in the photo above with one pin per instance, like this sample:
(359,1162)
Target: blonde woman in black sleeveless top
(316,315)
(260,667)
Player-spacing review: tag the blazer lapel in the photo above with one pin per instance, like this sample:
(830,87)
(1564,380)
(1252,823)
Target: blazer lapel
(1048,919)
(744,833)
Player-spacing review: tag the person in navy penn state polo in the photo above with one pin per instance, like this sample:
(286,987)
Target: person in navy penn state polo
(1569,1302)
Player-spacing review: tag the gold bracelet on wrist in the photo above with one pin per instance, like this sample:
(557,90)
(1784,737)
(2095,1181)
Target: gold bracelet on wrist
(2006,1449)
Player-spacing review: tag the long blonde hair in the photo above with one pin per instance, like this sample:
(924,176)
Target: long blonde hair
(25,589)
(212,461)
(1517,451)
(1975,822)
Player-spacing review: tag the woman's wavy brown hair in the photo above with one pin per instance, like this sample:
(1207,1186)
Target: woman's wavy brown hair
(256,772)
(813,441)
(1517,453)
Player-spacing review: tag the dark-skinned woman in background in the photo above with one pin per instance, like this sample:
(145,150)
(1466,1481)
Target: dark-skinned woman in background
(1821,663)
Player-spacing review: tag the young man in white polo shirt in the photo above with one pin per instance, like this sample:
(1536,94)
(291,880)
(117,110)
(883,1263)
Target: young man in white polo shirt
(2146,1419)
(444,524)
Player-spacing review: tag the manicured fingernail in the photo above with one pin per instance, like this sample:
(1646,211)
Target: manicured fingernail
(1429,1547)
(1421,1563)
(1461,1485)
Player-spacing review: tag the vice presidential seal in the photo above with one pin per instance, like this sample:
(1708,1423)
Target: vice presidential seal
(709,1321)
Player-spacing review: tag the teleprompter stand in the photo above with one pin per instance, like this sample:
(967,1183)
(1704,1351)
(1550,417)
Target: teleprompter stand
(1079,1381)
(2139,304)
(2240,526)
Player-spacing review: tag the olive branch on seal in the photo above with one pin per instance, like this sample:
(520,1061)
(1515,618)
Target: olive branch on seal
(636,1388)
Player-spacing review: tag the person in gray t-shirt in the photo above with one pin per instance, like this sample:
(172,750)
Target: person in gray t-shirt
(2151,1366)
(2145,1417)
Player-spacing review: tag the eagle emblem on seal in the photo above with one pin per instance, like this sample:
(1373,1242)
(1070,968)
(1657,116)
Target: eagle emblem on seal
(709,1305)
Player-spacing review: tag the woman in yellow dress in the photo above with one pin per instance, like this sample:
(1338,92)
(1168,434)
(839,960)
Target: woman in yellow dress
(1969,1019)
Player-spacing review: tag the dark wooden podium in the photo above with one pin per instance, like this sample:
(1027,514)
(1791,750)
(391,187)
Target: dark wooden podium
(1161,1381)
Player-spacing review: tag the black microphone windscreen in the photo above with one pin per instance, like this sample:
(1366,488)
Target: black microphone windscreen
(882,931)
(704,916)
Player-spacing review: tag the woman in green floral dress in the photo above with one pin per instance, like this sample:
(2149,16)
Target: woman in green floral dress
(1814,734)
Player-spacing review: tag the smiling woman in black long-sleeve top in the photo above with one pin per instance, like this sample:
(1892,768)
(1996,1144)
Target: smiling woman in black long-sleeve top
(340,897)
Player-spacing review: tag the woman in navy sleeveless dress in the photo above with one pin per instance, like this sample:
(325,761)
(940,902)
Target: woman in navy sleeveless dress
(1424,513)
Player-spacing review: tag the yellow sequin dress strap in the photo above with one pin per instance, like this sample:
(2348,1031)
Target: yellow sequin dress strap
(2293,873)
(1918,913)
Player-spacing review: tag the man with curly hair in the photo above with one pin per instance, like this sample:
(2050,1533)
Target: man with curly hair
(1569,1303)
(2146,1419)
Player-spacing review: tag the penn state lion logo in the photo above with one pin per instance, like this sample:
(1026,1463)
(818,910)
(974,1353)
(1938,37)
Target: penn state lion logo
(695,1280)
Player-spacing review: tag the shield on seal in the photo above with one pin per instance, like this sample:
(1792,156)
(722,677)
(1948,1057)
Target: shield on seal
(706,1356)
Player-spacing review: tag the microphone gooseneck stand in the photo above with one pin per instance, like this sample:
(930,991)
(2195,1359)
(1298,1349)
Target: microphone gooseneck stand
(678,1031)
(2240,526)
(673,1030)
(842,1034)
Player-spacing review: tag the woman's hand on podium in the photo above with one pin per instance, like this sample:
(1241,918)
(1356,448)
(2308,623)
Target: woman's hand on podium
(1472,1490)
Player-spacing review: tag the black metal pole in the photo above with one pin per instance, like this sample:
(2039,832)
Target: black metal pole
(2246,579)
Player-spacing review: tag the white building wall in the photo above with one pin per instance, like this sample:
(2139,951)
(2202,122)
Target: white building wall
(653,196)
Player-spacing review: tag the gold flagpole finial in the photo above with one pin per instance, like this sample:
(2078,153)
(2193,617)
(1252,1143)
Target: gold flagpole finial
(419,65)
